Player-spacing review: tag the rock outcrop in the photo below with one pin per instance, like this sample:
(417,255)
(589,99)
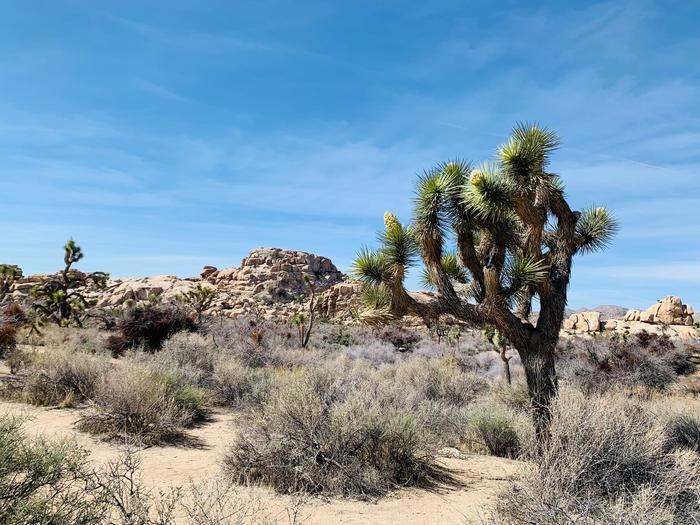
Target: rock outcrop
(583,322)
(667,311)
(269,282)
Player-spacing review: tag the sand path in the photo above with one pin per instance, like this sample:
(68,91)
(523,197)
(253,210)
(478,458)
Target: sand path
(480,476)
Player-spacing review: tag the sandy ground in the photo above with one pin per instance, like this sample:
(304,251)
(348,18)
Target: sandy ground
(480,476)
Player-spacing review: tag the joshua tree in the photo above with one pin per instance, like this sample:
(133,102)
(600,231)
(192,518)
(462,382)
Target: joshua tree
(9,273)
(515,237)
(60,298)
(304,322)
(199,299)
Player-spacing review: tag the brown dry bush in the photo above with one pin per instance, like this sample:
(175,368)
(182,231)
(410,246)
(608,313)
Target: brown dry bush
(605,462)
(319,435)
(136,404)
(148,327)
(602,364)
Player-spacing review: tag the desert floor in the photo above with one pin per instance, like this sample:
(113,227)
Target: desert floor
(479,477)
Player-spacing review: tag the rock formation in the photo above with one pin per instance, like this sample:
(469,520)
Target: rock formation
(270,281)
(583,322)
(667,311)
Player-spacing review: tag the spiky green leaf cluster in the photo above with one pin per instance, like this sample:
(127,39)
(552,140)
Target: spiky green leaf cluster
(370,266)
(521,273)
(490,194)
(595,229)
(399,246)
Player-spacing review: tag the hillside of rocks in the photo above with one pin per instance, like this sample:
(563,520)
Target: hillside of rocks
(269,282)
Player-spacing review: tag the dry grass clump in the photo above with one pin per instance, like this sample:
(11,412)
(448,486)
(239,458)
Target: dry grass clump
(137,404)
(236,385)
(319,434)
(683,432)
(62,378)
(606,462)
(513,396)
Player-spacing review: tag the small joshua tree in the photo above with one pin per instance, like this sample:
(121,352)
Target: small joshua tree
(515,237)
(60,298)
(199,299)
(500,345)
(305,322)
(9,273)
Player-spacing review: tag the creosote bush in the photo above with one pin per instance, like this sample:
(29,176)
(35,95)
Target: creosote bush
(496,430)
(42,481)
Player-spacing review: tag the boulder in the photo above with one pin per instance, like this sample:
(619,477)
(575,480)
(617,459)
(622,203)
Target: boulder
(669,311)
(583,322)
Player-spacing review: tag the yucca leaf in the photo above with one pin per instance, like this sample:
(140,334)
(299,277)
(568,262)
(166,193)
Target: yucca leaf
(370,267)
(453,268)
(399,245)
(375,296)
(527,152)
(595,229)
(489,194)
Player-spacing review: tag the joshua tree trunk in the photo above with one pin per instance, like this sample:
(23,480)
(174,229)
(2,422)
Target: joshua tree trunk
(506,364)
(541,377)
(515,237)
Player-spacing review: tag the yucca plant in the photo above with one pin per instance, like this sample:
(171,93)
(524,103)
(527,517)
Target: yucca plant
(514,237)
(61,298)
(305,322)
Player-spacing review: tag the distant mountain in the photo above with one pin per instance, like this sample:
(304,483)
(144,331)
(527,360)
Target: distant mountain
(607,311)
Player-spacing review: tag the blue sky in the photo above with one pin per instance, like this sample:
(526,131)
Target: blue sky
(164,136)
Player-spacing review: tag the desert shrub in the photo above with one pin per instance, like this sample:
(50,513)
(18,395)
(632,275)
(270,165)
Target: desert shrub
(683,432)
(254,341)
(190,357)
(605,462)
(440,380)
(597,366)
(514,396)
(495,429)
(63,378)
(135,403)
(41,481)
(235,385)
(8,338)
(148,326)
(14,314)
(401,338)
(315,436)
(87,340)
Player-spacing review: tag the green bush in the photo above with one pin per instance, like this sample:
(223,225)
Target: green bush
(134,403)
(43,482)
(496,430)
(236,385)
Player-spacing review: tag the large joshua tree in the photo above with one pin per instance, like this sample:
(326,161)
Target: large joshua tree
(514,237)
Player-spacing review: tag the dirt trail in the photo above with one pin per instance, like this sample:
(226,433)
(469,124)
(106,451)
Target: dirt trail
(480,476)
